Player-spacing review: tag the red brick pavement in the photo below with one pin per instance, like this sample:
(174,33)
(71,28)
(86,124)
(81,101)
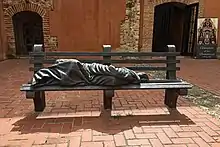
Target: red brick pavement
(75,119)
(203,73)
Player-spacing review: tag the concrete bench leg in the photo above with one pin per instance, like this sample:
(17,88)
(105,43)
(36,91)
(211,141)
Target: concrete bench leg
(39,101)
(171,96)
(107,95)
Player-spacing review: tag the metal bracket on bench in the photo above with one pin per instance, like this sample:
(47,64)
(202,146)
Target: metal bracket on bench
(30,94)
(109,93)
(183,91)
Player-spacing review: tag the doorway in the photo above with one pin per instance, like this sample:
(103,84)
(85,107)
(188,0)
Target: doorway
(175,23)
(28,31)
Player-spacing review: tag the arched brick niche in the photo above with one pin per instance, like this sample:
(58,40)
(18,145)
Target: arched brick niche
(148,19)
(11,7)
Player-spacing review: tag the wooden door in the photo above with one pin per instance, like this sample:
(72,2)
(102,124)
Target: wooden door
(190,29)
(32,34)
(162,27)
(28,31)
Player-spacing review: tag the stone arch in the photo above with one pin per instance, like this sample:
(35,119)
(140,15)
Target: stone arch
(14,9)
(25,7)
(149,7)
(159,2)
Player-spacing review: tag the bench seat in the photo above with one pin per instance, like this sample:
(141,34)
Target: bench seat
(151,85)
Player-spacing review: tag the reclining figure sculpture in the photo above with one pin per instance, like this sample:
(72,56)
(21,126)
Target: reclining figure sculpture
(72,72)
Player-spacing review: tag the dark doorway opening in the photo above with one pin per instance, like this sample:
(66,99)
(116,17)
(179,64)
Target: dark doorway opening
(175,23)
(28,31)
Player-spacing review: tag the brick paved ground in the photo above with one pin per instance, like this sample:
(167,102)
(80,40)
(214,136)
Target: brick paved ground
(204,73)
(139,118)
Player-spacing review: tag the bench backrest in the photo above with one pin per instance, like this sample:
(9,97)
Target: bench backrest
(138,61)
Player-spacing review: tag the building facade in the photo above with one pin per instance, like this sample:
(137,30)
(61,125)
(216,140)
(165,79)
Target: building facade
(82,25)
(169,22)
(68,25)
(213,10)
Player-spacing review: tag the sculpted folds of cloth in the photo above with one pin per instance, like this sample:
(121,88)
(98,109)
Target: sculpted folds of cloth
(72,72)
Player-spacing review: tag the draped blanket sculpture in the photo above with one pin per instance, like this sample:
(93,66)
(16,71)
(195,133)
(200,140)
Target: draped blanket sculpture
(71,72)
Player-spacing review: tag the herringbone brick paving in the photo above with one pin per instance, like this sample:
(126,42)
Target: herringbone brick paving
(76,119)
(203,73)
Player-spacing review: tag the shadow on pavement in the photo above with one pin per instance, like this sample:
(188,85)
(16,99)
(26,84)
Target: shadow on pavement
(104,123)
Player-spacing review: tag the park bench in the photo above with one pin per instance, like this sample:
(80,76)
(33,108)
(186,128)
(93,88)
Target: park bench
(147,61)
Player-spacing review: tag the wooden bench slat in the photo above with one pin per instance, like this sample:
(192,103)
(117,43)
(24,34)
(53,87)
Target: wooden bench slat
(52,61)
(123,54)
(134,68)
(179,85)
(142,68)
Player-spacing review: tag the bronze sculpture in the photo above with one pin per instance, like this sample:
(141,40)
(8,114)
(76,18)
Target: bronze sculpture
(72,72)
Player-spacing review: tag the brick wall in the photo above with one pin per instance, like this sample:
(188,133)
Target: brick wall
(129,33)
(133,34)
(2,35)
(212,9)
(64,35)
(11,7)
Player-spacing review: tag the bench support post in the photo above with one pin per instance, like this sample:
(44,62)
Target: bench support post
(39,101)
(39,96)
(107,94)
(171,96)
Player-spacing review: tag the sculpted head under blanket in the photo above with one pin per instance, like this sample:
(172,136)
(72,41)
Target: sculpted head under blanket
(71,72)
